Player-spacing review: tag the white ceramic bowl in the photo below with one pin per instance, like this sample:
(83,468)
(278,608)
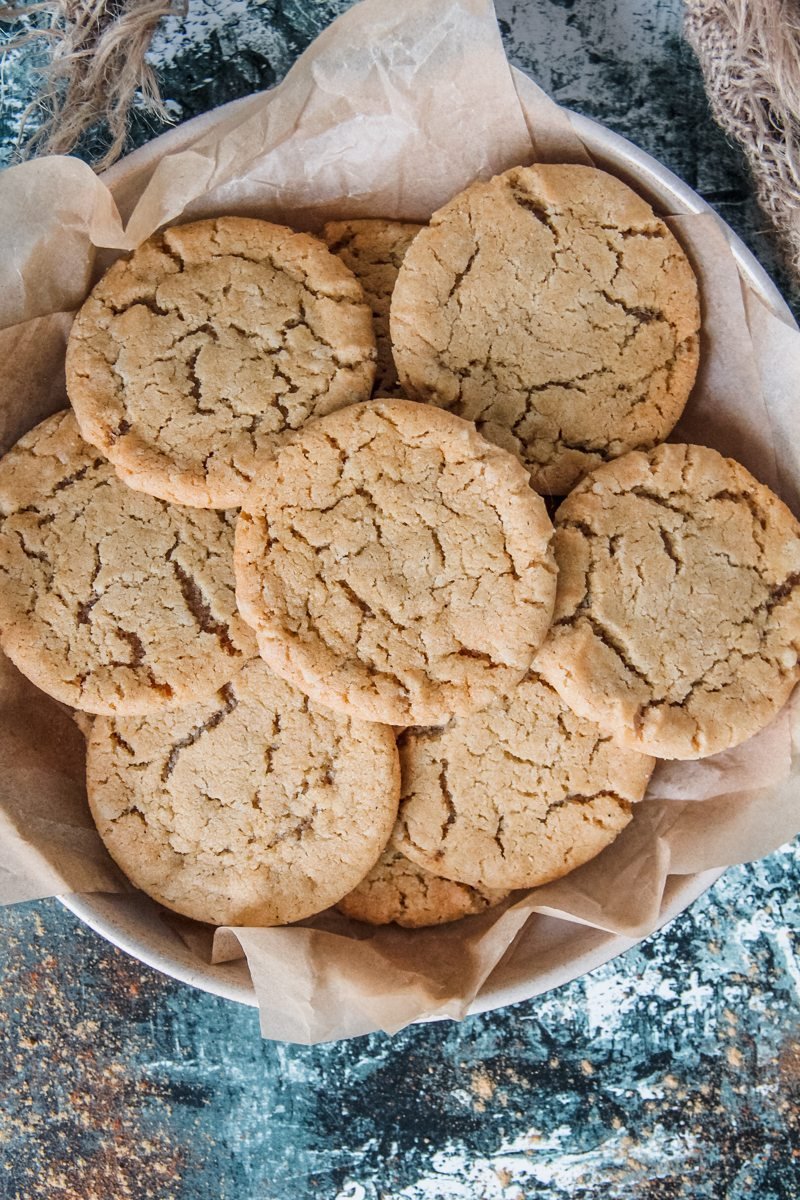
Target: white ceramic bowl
(548,952)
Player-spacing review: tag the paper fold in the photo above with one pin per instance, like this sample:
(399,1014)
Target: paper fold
(389,113)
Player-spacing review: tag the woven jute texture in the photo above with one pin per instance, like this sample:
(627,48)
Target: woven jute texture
(96,70)
(749,51)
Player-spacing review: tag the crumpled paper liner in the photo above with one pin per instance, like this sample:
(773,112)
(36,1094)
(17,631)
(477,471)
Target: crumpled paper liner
(389,113)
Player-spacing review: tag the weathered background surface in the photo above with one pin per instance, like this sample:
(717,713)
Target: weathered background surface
(671,1073)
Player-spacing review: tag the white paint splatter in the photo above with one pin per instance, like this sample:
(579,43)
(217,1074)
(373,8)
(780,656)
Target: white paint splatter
(509,1172)
(781,939)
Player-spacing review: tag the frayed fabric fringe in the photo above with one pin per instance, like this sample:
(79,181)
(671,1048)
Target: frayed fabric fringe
(95,71)
(749,51)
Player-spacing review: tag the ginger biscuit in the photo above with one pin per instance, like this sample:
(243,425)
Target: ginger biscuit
(395,565)
(374,251)
(553,308)
(516,795)
(398,891)
(254,807)
(677,625)
(197,356)
(111,600)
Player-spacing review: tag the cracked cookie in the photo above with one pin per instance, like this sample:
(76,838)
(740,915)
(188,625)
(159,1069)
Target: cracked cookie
(398,891)
(374,250)
(254,807)
(395,565)
(553,308)
(196,357)
(514,796)
(111,600)
(677,624)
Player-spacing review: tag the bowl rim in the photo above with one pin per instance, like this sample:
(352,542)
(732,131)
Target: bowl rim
(114,917)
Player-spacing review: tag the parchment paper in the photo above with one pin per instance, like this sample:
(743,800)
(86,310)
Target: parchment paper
(389,113)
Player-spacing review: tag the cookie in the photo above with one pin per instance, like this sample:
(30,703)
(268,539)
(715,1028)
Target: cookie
(374,250)
(677,625)
(111,600)
(202,352)
(552,307)
(255,807)
(397,891)
(394,565)
(517,795)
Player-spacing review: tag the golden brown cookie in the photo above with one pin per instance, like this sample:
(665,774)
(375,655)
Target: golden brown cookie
(398,891)
(374,250)
(514,796)
(677,625)
(395,565)
(552,307)
(111,600)
(197,356)
(252,808)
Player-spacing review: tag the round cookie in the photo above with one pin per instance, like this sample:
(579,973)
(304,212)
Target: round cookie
(677,625)
(374,251)
(197,356)
(394,565)
(252,808)
(553,308)
(398,891)
(514,796)
(111,600)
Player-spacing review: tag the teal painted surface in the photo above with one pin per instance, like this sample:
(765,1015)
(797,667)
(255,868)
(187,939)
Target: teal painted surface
(672,1073)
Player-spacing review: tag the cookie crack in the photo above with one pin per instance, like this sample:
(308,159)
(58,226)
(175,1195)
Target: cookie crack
(671,548)
(113,435)
(200,609)
(657,232)
(302,826)
(230,702)
(645,494)
(582,527)
(447,798)
(84,609)
(137,647)
(137,660)
(438,544)
(539,210)
(406,837)
(148,302)
(479,656)
(616,645)
(367,610)
(746,498)
(780,592)
(196,384)
(642,316)
(512,569)
(29,552)
(584,447)
(424,733)
(580,798)
(567,385)
(120,742)
(498,836)
(461,275)
(78,475)
(173,252)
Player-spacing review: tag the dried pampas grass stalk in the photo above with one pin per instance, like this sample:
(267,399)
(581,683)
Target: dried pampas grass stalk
(749,51)
(97,67)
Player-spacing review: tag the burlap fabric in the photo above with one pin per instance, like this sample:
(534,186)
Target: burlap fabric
(96,71)
(749,51)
